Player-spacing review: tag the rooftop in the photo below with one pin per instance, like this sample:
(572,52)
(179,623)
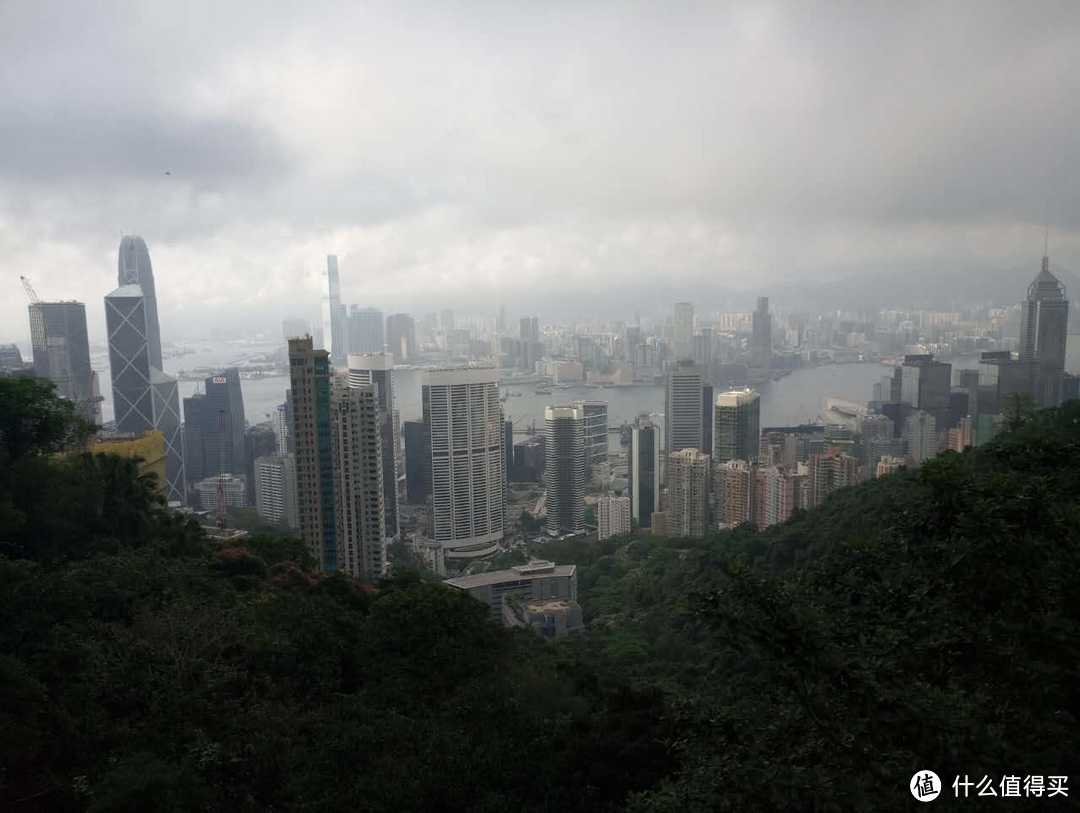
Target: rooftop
(533,570)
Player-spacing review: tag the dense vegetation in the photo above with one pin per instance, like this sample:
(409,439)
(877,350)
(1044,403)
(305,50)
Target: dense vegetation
(926,620)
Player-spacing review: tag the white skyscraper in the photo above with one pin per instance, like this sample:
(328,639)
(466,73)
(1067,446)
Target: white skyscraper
(275,489)
(378,369)
(684,417)
(468,480)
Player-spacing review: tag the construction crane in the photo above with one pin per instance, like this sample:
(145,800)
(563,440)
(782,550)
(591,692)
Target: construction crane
(31,294)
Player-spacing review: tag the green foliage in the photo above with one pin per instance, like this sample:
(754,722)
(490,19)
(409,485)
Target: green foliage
(34,420)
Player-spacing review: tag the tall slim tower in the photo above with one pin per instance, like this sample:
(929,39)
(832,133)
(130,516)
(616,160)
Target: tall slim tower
(62,354)
(761,338)
(688,493)
(1044,324)
(684,411)
(595,414)
(737,426)
(468,485)
(645,471)
(378,369)
(683,330)
(214,428)
(335,334)
(564,472)
(144,397)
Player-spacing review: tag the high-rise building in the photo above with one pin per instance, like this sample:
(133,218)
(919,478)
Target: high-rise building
(737,426)
(708,417)
(828,472)
(888,464)
(734,493)
(688,493)
(530,328)
(378,369)
(1044,324)
(356,450)
(683,330)
(62,354)
(468,494)
(214,427)
(596,432)
(773,496)
(275,489)
(644,480)
(417,462)
(683,415)
(143,396)
(309,379)
(702,351)
(10,357)
(366,330)
(401,337)
(282,422)
(233,489)
(335,333)
(761,337)
(920,437)
(564,475)
(926,384)
(612,517)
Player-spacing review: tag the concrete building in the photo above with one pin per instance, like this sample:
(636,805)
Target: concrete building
(1044,324)
(773,496)
(378,369)
(688,493)
(417,462)
(565,471)
(468,492)
(214,427)
(334,328)
(682,330)
(644,474)
(144,397)
(146,447)
(737,426)
(828,472)
(683,412)
(889,464)
(275,489)
(61,352)
(734,493)
(926,385)
(596,432)
(366,330)
(920,437)
(536,581)
(401,337)
(282,421)
(10,358)
(234,490)
(761,337)
(613,516)
(356,449)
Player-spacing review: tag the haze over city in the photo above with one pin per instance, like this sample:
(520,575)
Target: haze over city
(580,159)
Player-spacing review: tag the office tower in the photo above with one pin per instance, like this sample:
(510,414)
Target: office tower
(530,460)
(401,337)
(335,333)
(214,427)
(644,479)
(564,474)
(275,489)
(259,440)
(356,441)
(737,426)
(468,495)
(530,328)
(688,493)
(62,354)
(612,517)
(143,396)
(828,472)
(309,379)
(417,462)
(10,357)
(295,328)
(596,432)
(708,417)
(682,326)
(926,385)
(366,330)
(683,413)
(761,337)
(888,464)
(920,437)
(874,432)
(282,422)
(234,491)
(378,369)
(133,268)
(508,450)
(1044,323)
(734,493)
(702,351)
(773,496)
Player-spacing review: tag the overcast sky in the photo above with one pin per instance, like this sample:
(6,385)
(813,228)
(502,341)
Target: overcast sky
(585,156)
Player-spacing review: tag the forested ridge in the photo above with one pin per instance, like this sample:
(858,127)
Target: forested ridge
(925,620)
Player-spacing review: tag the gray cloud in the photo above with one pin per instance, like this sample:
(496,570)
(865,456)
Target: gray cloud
(479,152)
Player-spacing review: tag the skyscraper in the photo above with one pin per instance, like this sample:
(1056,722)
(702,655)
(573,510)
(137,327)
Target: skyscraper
(333,314)
(366,334)
(612,516)
(644,480)
(62,354)
(683,330)
(683,415)
(734,493)
(688,493)
(417,462)
(143,396)
(275,489)
(926,384)
(468,491)
(737,426)
(282,421)
(401,337)
(378,369)
(564,475)
(920,437)
(761,338)
(1044,323)
(773,496)
(214,428)
(596,432)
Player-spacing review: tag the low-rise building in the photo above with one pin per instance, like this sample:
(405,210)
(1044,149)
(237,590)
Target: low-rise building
(535,581)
